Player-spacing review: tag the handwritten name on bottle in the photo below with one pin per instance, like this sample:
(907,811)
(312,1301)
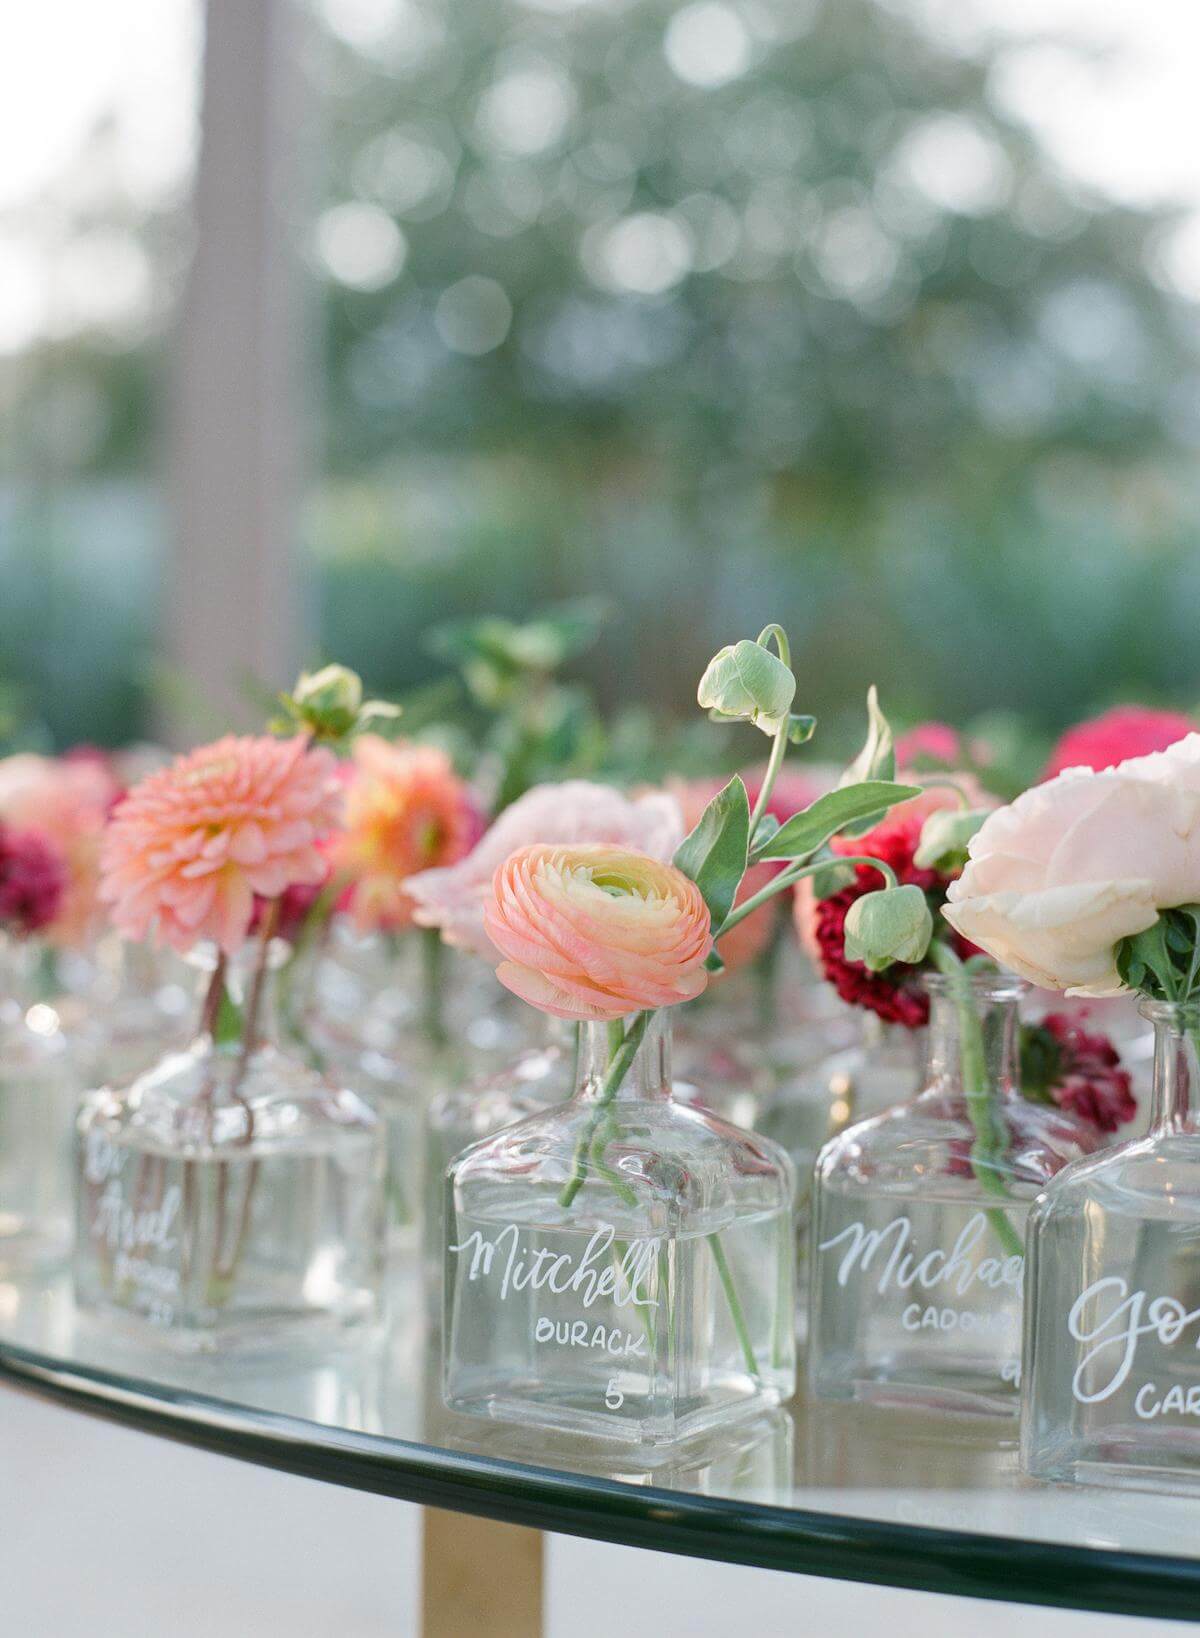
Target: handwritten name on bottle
(123,1226)
(622,1272)
(901,1268)
(1112,1320)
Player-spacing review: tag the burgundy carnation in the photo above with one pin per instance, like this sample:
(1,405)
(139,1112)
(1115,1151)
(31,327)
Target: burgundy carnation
(1088,1078)
(33,879)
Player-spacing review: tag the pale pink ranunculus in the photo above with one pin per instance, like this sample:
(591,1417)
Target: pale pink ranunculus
(1056,879)
(577,810)
(190,846)
(594,932)
(68,800)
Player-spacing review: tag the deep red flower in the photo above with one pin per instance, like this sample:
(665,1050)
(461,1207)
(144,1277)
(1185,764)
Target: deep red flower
(892,993)
(1078,1071)
(33,879)
(1125,731)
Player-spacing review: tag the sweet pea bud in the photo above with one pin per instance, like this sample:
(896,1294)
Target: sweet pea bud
(894,924)
(747,682)
(329,705)
(944,838)
(329,699)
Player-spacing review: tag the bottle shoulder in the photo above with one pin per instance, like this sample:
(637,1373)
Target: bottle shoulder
(933,1141)
(658,1152)
(1158,1174)
(199,1100)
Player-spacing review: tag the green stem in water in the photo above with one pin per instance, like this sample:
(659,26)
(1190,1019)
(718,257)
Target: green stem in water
(433,975)
(623,1046)
(979,1103)
(599,1132)
(735,1304)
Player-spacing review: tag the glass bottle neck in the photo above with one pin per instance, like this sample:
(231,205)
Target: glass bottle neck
(251,982)
(604,1048)
(894,1044)
(973,1039)
(1175,1105)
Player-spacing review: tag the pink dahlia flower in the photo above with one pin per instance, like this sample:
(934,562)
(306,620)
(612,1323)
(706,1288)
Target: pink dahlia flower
(190,846)
(67,800)
(33,879)
(595,932)
(453,899)
(1115,736)
(407,812)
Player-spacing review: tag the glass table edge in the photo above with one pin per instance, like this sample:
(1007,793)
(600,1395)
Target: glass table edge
(806,1542)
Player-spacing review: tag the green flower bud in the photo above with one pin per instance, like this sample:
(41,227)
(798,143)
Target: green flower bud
(329,705)
(328,701)
(746,682)
(944,838)
(894,924)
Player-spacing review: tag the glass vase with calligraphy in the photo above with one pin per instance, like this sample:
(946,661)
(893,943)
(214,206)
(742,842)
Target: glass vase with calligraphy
(622,1265)
(918,1234)
(1112,1360)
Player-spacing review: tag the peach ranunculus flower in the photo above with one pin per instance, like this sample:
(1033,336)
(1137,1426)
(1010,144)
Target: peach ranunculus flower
(1055,880)
(191,845)
(407,811)
(595,932)
(67,800)
(576,810)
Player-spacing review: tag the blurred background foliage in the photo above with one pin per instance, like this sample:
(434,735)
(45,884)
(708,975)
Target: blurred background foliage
(715,311)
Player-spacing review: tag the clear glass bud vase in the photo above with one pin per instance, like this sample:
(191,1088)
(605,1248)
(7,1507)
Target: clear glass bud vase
(918,1233)
(1112,1350)
(620,1266)
(42,1074)
(461,1115)
(231,1195)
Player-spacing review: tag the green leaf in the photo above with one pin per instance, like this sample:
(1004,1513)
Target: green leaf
(833,814)
(876,760)
(800,728)
(766,828)
(1149,952)
(714,854)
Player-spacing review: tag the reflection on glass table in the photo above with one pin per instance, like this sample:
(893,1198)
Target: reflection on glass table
(840,1489)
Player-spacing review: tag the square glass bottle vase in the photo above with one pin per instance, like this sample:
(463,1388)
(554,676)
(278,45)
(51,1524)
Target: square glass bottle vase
(40,1085)
(620,1266)
(223,1202)
(917,1243)
(1112,1356)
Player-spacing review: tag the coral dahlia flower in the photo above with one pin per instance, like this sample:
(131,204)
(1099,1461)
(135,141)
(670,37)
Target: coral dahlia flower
(406,811)
(596,932)
(190,846)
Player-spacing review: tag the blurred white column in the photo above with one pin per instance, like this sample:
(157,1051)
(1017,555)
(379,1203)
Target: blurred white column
(233,598)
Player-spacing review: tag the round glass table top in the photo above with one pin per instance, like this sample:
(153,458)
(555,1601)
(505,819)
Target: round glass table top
(844,1490)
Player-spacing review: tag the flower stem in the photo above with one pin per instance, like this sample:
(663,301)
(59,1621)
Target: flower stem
(599,1132)
(433,1013)
(623,1046)
(978,1098)
(779,747)
(793,874)
(735,1304)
